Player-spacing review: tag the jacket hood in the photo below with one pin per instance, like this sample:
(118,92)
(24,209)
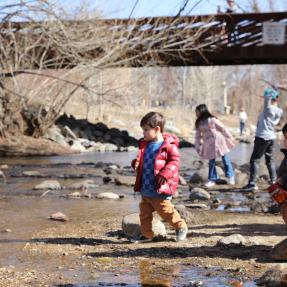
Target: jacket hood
(168,139)
(171,139)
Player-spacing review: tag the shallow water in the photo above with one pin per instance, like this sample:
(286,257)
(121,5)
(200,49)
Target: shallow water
(148,275)
(26,215)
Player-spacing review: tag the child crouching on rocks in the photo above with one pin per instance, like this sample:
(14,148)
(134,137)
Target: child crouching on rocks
(278,190)
(157,166)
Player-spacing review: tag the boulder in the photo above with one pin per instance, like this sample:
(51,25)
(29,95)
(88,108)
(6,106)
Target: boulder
(107,195)
(110,147)
(199,194)
(58,216)
(241,178)
(77,146)
(74,194)
(234,239)
(199,176)
(48,184)
(54,134)
(273,277)
(279,251)
(182,181)
(184,213)
(125,180)
(196,206)
(32,173)
(131,226)
(85,184)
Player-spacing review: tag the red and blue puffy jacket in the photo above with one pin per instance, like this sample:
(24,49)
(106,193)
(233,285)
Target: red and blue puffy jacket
(166,164)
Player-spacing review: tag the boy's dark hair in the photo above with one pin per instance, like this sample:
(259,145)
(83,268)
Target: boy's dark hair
(153,119)
(284,129)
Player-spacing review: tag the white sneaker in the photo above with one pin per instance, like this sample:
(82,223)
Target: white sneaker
(231,180)
(210,183)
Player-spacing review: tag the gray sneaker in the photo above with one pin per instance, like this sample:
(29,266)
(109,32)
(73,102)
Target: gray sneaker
(181,234)
(141,239)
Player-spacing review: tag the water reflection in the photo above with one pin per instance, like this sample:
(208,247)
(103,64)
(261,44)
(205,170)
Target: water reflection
(152,274)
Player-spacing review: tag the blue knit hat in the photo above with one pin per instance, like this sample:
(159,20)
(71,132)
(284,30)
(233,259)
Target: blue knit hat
(270,92)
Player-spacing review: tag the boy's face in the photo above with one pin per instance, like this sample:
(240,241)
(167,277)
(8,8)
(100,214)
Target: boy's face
(150,134)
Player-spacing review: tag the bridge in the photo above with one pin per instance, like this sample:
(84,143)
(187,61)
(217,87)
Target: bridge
(222,39)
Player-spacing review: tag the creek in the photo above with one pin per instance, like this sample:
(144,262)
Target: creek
(23,213)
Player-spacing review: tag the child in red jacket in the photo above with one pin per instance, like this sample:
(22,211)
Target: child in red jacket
(278,190)
(157,166)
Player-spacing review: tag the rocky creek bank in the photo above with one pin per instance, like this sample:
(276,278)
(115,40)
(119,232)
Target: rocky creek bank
(229,231)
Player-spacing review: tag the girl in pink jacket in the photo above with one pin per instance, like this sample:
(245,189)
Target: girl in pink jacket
(213,140)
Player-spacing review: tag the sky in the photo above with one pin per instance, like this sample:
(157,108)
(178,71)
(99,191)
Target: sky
(149,8)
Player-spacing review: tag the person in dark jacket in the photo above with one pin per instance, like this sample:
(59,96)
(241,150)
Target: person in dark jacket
(157,167)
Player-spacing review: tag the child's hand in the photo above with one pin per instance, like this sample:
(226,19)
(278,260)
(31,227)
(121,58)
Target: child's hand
(135,164)
(160,180)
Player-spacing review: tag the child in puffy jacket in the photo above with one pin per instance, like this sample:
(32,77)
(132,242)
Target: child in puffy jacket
(213,140)
(157,167)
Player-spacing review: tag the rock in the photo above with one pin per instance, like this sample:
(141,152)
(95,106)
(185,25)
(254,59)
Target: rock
(107,195)
(58,216)
(98,147)
(107,179)
(195,283)
(125,180)
(274,277)
(131,226)
(241,178)
(67,132)
(199,176)
(114,166)
(131,148)
(7,230)
(236,239)
(77,146)
(171,128)
(110,147)
(74,194)
(85,184)
(263,171)
(54,134)
(48,184)
(110,171)
(32,173)
(199,194)
(184,213)
(220,171)
(86,143)
(279,251)
(196,206)
(182,181)
(198,164)
(4,166)
(2,175)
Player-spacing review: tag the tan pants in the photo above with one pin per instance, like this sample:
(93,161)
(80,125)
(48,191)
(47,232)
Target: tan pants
(166,211)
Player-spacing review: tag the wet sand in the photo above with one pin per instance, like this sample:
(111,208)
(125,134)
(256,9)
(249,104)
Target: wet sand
(90,250)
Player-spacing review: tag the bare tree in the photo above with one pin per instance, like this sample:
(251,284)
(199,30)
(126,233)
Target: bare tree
(47,38)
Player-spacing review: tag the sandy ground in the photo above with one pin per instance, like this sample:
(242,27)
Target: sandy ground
(76,253)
